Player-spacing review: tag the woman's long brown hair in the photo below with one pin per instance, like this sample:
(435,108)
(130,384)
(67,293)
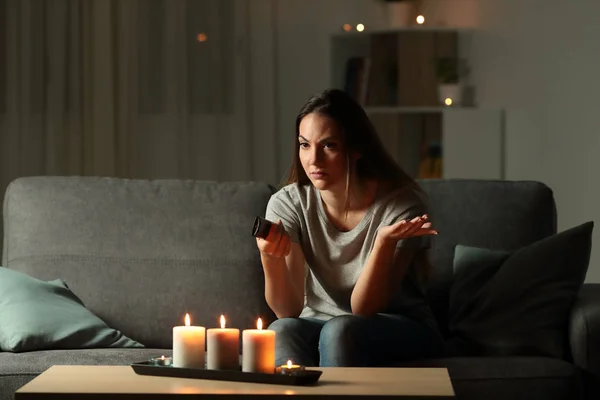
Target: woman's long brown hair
(359,136)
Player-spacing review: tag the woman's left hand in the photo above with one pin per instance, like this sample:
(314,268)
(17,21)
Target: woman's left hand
(418,226)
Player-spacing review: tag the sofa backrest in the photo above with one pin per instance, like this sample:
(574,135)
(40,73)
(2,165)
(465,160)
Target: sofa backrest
(140,254)
(490,214)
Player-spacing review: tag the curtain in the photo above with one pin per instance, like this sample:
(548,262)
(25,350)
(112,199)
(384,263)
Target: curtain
(137,89)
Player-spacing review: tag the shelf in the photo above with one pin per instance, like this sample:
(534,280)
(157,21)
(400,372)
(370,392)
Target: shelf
(470,140)
(393,74)
(406,110)
(407,29)
(394,68)
(414,110)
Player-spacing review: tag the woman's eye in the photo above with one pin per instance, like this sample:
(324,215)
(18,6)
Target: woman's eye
(304,145)
(329,145)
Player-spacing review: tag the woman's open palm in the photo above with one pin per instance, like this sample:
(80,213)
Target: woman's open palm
(418,226)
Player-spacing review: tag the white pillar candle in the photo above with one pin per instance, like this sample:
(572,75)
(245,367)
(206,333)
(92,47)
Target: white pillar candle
(188,345)
(223,347)
(258,350)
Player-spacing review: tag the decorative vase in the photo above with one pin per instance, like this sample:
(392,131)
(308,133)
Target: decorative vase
(452,91)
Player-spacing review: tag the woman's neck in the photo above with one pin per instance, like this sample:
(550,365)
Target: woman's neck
(361,196)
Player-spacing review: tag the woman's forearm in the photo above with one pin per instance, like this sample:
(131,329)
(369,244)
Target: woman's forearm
(280,293)
(373,288)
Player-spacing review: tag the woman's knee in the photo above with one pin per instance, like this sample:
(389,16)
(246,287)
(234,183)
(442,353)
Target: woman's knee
(296,339)
(342,329)
(340,341)
(284,324)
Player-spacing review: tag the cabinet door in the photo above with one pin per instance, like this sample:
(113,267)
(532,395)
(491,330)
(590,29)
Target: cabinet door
(473,144)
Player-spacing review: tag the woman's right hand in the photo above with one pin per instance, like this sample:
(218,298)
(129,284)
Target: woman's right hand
(277,244)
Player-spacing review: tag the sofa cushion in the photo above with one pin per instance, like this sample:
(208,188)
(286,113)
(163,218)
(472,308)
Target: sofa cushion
(16,369)
(501,215)
(39,315)
(518,302)
(142,253)
(491,378)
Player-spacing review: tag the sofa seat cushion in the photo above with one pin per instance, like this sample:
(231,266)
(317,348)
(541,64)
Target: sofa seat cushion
(16,369)
(509,377)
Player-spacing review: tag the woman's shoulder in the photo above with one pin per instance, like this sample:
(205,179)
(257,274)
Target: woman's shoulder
(292,191)
(292,195)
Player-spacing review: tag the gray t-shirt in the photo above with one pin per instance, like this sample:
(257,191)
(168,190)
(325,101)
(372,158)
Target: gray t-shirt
(335,259)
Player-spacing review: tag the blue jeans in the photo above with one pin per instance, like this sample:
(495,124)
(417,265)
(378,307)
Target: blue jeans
(353,341)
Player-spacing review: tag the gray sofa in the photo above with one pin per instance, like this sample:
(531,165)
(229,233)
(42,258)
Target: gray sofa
(142,253)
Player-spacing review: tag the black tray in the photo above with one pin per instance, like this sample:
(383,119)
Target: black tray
(301,378)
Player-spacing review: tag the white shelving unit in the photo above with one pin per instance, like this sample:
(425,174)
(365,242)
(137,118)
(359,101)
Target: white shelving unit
(404,110)
(393,75)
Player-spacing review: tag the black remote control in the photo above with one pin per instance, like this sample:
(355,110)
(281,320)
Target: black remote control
(261,228)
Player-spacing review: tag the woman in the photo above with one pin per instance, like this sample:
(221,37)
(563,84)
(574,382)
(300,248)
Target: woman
(344,258)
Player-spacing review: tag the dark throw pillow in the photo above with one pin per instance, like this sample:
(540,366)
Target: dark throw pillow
(39,315)
(518,302)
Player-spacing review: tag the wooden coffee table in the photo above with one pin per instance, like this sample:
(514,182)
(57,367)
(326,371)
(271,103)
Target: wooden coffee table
(112,382)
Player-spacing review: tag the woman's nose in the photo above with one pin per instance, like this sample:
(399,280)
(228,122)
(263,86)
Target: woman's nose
(315,156)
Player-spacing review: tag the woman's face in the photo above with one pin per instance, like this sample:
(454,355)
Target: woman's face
(322,153)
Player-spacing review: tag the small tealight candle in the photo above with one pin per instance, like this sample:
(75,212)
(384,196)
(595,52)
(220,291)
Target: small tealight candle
(222,347)
(258,350)
(161,361)
(188,345)
(290,369)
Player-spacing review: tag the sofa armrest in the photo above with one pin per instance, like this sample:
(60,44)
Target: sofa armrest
(584,329)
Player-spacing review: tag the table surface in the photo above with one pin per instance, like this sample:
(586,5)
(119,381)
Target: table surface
(104,382)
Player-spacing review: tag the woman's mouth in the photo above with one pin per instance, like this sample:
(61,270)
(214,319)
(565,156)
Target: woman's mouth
(317,175)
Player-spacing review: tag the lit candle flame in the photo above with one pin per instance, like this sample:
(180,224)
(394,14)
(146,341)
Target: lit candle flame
(187,319)
(162,357)
(289,364)
(259,324)
(222,322)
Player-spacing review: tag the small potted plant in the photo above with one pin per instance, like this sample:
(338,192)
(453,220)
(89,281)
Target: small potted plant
(449,89)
